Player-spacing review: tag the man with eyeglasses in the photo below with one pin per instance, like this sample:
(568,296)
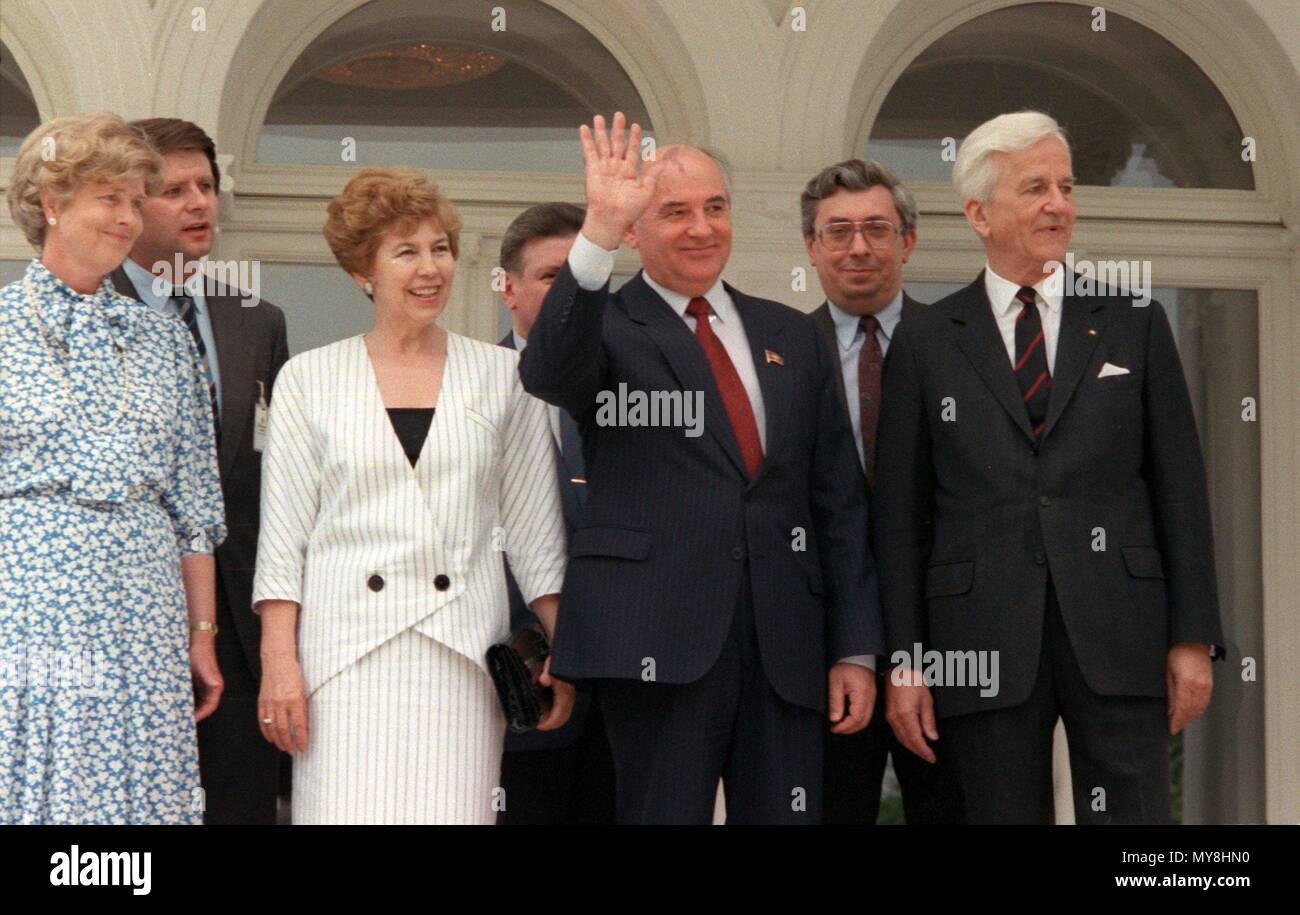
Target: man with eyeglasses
(859,224)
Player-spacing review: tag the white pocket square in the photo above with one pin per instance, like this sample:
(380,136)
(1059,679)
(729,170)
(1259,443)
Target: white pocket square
(1108,370)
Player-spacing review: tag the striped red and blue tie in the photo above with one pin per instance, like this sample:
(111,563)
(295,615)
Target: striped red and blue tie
(1031,360)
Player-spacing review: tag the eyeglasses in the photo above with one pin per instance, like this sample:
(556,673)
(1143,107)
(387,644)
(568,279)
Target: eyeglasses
(838,236)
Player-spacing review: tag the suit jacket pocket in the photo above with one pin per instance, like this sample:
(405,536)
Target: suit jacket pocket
(481,420)
(949,579)
(617,542)
(1143,561)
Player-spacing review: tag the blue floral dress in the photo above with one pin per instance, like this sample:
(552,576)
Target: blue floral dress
(108,475)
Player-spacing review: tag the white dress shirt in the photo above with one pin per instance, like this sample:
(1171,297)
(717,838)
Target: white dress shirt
(1006,307)
(851,337)
(592,266)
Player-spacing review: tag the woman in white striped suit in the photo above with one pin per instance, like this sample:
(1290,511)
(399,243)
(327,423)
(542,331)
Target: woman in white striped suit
(397,466)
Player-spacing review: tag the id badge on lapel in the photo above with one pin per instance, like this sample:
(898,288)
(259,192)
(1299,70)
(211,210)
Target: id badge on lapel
(259,419)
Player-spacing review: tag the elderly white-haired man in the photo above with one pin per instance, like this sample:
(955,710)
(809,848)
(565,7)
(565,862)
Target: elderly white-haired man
(1041,517)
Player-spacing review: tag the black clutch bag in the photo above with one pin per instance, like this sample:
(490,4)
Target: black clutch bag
(515,665)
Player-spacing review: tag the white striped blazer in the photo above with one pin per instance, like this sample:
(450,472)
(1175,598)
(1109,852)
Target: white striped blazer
(369,546)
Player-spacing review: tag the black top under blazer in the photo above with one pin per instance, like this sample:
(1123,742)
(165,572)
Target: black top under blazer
(971,515)
(671,523)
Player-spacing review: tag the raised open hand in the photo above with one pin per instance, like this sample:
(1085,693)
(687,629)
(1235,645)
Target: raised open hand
(616,194)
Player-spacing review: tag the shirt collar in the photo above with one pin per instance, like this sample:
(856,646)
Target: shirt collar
(520,342)
(717,298)
(143,281)
(48,282)
(69,315)
(1002,292)
(847,325)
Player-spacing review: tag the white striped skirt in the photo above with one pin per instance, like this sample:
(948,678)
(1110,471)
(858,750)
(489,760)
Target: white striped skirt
(410,734)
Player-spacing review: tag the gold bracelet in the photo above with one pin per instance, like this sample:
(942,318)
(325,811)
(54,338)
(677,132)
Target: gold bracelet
(204,626)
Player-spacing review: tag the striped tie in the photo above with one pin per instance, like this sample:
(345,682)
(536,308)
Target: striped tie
(185,308)
(1031,359)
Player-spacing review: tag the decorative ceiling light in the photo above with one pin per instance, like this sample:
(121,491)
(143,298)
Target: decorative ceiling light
(417,66)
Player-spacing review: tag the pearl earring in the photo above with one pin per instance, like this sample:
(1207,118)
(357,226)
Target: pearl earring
(369,287)
(52,221)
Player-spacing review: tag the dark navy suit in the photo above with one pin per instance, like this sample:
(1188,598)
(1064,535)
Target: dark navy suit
(693,592)
(855,763)
(239,768)
(1078,556)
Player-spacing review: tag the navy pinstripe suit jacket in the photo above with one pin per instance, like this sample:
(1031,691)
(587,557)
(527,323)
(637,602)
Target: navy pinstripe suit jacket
(672,523)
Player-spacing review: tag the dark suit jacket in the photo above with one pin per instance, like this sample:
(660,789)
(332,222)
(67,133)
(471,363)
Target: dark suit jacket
(672,522)
(971,515)
(521,616)
(822,317)
(251,347)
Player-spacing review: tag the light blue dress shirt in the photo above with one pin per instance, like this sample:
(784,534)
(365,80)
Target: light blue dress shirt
(143,281)
(850,337)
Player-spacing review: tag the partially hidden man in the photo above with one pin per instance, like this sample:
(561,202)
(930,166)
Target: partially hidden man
(720,584)
(563,777)
(1040,509)
(859,226)
(242,345)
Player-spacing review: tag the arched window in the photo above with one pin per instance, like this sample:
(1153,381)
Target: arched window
(1139,114)
(1138,111)
(18,117)
(18,113)
(469,85)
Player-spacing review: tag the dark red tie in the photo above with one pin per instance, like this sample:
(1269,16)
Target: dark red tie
(734,398)
(870,360)
(1031,359)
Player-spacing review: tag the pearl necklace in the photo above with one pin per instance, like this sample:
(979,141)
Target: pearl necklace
(54,346)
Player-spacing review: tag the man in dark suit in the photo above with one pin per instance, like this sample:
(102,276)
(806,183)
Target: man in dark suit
(566,776)
(1041,513)
(859,225)
(243,344)
(720,583)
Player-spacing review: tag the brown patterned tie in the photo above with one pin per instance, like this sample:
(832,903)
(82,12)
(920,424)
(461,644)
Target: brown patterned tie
(870,361)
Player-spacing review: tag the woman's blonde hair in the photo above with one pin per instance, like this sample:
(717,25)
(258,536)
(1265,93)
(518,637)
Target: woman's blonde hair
(378,200)
(62,154)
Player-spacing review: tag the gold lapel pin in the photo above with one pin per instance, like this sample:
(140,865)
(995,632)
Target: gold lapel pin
(1092,332)
(773,357)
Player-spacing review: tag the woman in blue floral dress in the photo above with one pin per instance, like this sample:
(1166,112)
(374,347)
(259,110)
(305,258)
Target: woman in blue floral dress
(110,505)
